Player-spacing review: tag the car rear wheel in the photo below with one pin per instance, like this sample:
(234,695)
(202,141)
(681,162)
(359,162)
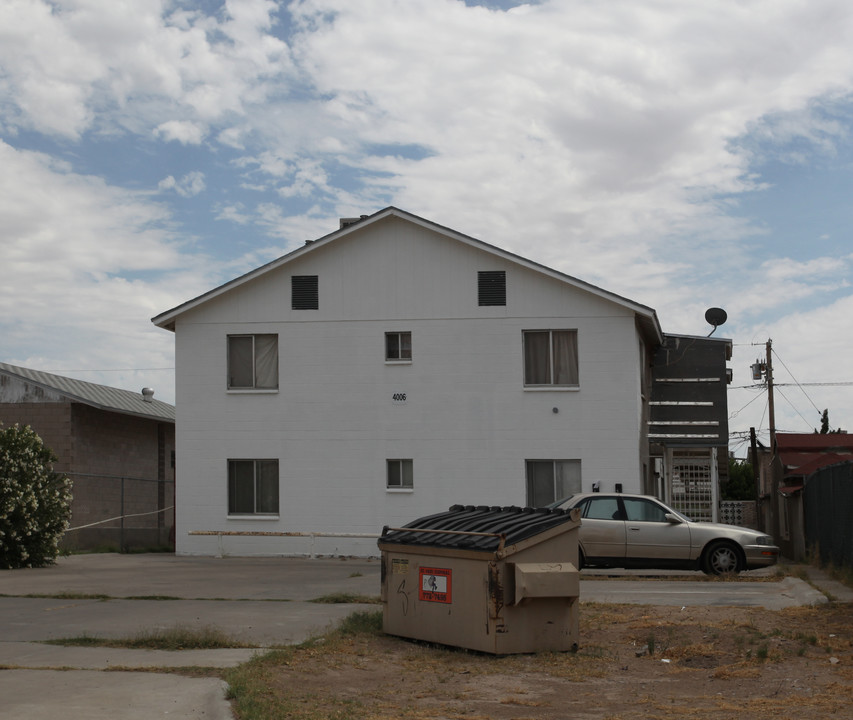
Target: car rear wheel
(722,557)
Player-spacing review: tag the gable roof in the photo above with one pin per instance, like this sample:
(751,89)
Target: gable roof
(97,396)
(645,315)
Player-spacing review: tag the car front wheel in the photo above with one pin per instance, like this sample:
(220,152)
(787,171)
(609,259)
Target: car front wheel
(722,557)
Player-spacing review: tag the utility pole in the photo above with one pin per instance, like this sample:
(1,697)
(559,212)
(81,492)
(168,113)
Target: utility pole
(771,413)
(765,369)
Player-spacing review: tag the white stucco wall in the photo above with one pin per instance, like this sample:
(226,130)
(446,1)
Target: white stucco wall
(468,423)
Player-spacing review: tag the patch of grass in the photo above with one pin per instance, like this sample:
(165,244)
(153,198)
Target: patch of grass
(361,623)
(177,638)
(98,549)
(251,685)
(150,549)
(344,598)
(62,596)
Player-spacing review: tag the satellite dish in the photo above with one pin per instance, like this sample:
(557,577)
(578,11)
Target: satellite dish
(715,317)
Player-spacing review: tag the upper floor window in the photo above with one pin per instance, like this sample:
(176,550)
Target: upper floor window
(304,292)
(491,287)
(398,346)
(253,487)
(252,362)
(550,358)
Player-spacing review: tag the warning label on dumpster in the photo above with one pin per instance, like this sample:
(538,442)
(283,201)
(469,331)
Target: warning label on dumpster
(435,585)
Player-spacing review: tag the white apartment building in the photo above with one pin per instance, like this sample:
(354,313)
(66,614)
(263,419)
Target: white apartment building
(389,370)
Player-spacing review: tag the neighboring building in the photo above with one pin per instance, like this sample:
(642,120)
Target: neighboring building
(389,370)
(783,476)
(116,446)
(689,427)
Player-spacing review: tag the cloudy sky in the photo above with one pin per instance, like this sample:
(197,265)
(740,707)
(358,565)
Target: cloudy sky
(682,154)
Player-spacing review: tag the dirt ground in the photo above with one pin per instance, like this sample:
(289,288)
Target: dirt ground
(633,662)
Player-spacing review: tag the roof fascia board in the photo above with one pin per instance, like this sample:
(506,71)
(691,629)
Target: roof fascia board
(167,319)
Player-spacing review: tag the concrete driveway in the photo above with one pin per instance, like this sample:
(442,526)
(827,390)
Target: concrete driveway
(263,601)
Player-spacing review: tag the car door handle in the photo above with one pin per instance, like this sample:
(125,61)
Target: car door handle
(635,529)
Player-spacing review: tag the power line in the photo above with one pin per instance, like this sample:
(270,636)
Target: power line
(797,383)
(795,409)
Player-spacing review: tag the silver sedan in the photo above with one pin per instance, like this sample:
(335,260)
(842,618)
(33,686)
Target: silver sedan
(639,531)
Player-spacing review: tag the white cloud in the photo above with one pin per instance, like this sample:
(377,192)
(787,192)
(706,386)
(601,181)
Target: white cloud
(588,125)
(186,133)
(71,64)
(189,185)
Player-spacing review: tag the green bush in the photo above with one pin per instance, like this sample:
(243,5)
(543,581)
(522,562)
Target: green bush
(35,502)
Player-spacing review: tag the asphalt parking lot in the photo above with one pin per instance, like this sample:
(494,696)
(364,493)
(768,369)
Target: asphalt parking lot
(263,601)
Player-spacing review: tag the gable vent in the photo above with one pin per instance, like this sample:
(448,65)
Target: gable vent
(304,294)
(491,287)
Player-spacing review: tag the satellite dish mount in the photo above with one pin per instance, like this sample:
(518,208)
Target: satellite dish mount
(715,317)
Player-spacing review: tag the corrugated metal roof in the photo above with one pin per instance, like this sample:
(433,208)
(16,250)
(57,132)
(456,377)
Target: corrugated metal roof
(99,396)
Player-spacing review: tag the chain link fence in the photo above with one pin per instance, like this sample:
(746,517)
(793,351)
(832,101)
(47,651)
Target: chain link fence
(121,514)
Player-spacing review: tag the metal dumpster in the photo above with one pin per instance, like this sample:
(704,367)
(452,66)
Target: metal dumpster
(493,579)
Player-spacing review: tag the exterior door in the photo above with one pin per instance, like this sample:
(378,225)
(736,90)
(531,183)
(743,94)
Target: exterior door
(650,535)
(602,530)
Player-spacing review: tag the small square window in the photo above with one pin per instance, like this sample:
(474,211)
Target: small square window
(304,290)
(398,346)
(491,287)
(400,475)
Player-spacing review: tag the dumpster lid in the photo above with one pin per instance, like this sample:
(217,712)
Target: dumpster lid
(477,527)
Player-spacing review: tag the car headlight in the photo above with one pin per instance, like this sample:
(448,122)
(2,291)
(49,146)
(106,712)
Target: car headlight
(764,540)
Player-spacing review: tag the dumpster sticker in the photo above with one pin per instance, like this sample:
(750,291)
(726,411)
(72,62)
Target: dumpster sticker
(435,585)
(399,566)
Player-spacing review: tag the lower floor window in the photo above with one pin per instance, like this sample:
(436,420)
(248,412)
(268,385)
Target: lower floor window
(253,487)
(400,475)
(552,480)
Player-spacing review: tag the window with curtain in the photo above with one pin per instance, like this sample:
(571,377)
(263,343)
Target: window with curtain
(253,487)
(252,362)
(552,480)
(550,358)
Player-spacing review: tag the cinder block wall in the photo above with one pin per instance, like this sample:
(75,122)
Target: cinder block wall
(103,451)
(51,420)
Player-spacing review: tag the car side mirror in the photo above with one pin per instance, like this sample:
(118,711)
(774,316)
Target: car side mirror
(674,519)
